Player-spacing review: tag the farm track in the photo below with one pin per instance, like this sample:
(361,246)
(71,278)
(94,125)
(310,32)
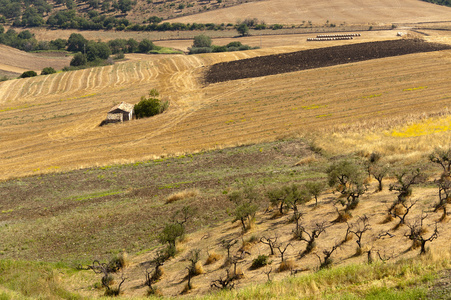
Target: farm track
(51,122)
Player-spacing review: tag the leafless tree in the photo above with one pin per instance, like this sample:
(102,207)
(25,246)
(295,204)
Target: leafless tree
(310,238)
(268,272)
(226,283)
(282,252)
(402,215)
(443,158)
(359,228)
(327,260)
(416,234)
(271,242)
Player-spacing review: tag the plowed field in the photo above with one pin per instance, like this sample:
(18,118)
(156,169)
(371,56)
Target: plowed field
(316,58)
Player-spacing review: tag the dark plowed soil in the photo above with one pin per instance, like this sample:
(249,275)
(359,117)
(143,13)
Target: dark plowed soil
(316,58)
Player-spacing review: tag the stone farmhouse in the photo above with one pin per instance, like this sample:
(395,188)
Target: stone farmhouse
(120,113)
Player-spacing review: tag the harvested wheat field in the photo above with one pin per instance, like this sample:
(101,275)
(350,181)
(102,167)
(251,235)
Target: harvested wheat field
(349,11)
(50,123)
(16,61)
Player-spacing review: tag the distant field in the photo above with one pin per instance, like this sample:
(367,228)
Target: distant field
(50,123)
(16,61)
(349,11)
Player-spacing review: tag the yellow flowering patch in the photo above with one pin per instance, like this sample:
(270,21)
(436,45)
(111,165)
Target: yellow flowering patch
(415,88)
(372,96)
(426,127)
(313,106)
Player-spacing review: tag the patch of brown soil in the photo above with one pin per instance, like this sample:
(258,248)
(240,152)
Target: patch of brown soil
(316,58)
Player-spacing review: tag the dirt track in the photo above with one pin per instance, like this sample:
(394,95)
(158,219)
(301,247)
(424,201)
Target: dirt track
(316,58)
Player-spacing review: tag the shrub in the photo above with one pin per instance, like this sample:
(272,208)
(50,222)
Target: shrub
(260,261)
(28,74)
(189,193)
(151,106)
(213,257)
(196,50)
(47,71)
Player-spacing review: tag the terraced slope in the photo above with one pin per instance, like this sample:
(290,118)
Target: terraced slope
(50,123)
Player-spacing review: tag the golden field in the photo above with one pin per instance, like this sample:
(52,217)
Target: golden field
(318,12)
(50,123)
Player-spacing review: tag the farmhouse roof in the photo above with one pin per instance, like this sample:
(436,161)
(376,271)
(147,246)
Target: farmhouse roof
(124,106)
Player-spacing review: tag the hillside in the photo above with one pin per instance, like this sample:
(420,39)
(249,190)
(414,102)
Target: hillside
(336,12)
(76,217)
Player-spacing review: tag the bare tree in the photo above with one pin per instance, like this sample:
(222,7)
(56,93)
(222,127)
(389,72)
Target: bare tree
(271,242)
(327,260)
(223,284)
(400,211)
(282,252)
(268,272)
(310,238)
(227,245)
(416,234)
(359,228)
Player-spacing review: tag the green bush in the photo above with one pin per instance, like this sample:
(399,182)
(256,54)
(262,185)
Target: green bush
(28,74)
(260,261)
(47,71)
(151,106)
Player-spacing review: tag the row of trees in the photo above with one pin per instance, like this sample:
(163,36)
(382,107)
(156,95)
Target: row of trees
(31,13)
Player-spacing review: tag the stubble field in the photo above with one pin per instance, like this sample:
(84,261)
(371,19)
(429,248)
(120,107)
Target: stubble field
(348,11)
(50,123)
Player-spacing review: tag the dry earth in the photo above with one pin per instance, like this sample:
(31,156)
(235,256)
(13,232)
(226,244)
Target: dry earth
(50,123)
(349,11)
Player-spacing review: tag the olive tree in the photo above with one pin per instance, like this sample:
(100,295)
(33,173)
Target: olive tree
(348,178)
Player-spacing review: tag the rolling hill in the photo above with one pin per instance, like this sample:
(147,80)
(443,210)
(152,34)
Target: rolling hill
(337,12)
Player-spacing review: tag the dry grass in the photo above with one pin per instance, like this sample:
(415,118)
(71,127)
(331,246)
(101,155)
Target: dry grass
(286,265)
(198,269)
(307,160)
(212,258)
(186,194)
